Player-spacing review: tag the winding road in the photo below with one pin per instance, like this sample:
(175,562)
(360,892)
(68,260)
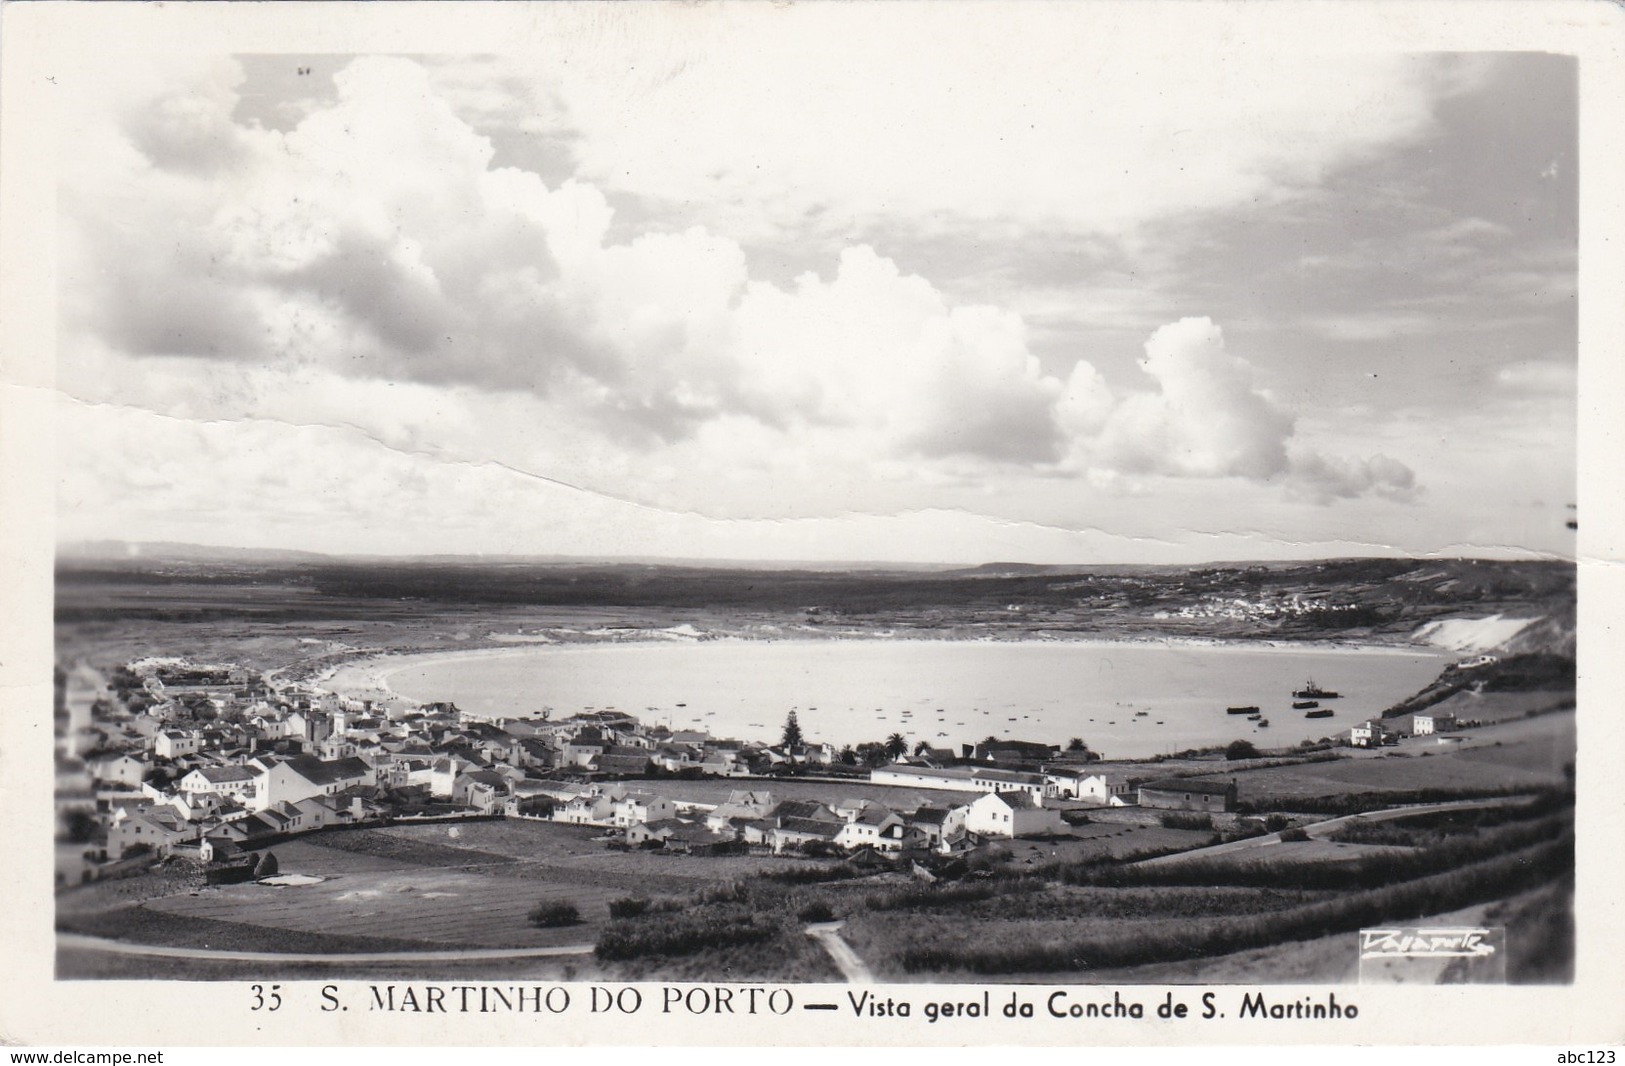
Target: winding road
(828,935)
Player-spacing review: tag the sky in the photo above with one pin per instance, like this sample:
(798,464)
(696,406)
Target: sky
(955,288)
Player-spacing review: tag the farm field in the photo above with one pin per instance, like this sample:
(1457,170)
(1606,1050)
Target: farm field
(1532,753)
(411,888)
(442,906)
(1103,840)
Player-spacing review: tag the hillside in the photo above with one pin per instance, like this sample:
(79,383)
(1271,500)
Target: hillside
(1382,600)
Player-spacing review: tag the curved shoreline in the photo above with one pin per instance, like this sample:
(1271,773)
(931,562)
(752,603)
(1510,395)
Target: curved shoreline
(369,677)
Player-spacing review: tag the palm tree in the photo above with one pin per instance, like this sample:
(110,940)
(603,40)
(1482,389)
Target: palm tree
(896,745)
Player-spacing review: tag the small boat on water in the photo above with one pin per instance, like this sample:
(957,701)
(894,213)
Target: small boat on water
(1263,723)
(1322,713)
(1305,705)
(1255,718)
(1312,691)
(1241,710)
(1142,714)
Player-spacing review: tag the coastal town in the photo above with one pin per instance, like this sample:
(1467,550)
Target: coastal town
(213,763)
(325,770)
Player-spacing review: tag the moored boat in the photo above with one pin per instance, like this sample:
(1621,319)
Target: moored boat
(1322,713)
(1305,705)
(1241,710)
(1312,691)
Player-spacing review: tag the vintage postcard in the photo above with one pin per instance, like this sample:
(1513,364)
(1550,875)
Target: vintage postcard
(867,524)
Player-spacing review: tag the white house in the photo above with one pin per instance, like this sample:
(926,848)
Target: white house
(238,782)
(583,750)
(1427,724)
(1091,787)
(175,743)
(870,827)
(118,768)
(587,809)
(1011,814)
(634,808)
(304,776)
(742,804)
(936,824)
(1370,733)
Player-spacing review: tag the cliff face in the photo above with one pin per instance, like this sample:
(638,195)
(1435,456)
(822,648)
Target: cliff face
(1554,633)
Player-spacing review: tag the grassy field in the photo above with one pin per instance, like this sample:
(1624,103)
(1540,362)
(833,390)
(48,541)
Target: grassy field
(1519,753)
(78,964)
(406,888)
(1495,706)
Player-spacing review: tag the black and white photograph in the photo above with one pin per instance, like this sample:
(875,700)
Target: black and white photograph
(1034,502)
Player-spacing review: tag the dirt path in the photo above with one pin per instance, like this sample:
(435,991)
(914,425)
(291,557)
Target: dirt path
(828,935)
(1321,830)
(119,947)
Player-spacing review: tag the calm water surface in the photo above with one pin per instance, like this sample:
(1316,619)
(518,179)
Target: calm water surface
(944,692)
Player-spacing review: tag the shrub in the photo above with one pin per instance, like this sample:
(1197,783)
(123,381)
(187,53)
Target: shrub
(817,911)
(727,892)
(554,915)
(920,897)
(1186,820)
(685,935)
(627,907)
(807,875)
(1240,749)
(1274,823)
(1295,836)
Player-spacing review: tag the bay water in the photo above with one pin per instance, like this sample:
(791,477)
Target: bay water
(1125,700)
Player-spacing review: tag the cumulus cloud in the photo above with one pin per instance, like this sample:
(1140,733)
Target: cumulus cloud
(376,240)
(373,268)
(1323,478)
(1206,418)
(847,131)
